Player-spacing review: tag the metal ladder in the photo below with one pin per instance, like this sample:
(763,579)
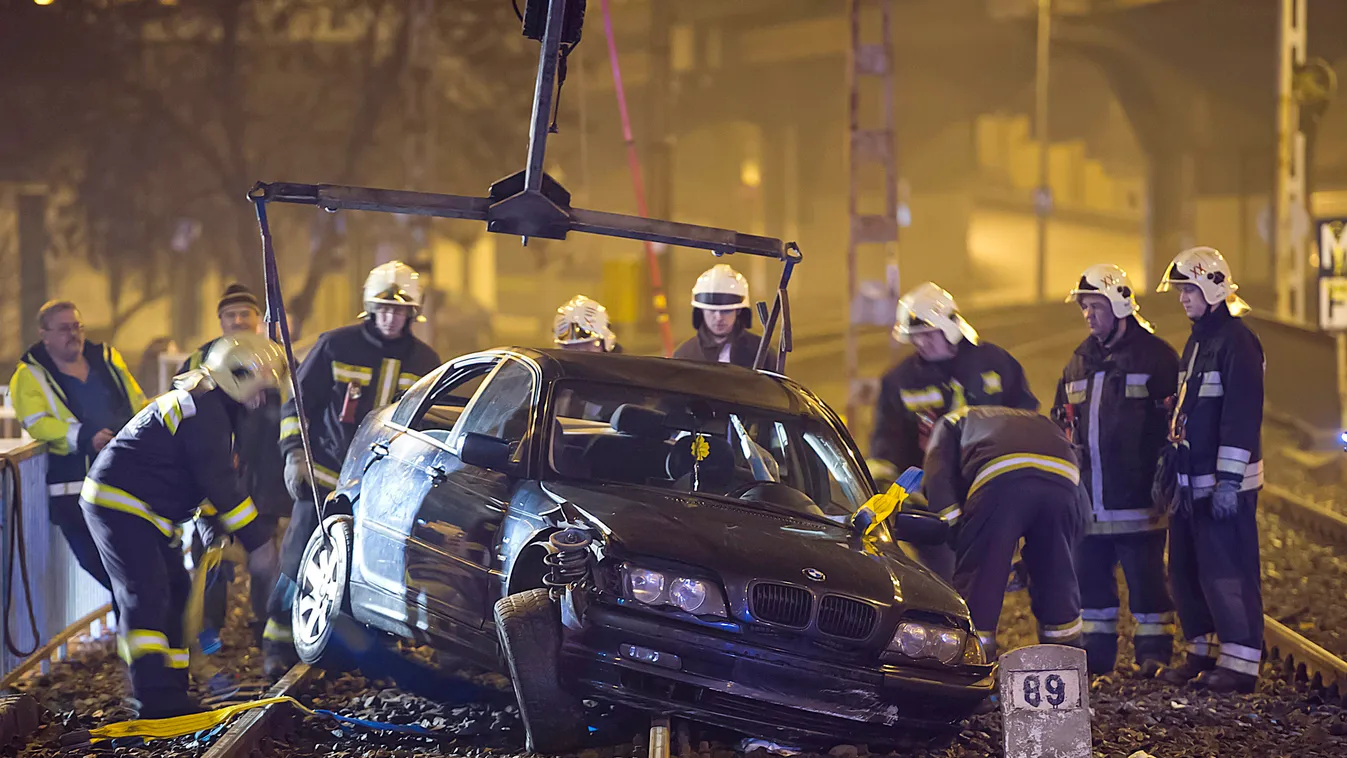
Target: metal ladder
(869,66)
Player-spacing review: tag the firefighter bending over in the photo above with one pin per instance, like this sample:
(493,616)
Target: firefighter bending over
(150,478)
(1214,480)
(351,371)
(999,475)
(951,369)
(1111,402)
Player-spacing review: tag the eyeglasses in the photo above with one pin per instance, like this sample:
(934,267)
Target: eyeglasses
(377,309)
(74,328)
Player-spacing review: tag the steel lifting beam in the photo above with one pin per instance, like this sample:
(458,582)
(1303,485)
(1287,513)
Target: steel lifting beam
(332,197)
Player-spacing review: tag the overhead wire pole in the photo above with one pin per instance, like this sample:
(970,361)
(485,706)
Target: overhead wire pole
(638,185)
(868,146)
(1043,195)
(1290,200)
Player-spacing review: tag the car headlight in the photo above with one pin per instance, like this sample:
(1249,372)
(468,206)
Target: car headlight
(917,640)
(646,586)
(688,594)
(697,596)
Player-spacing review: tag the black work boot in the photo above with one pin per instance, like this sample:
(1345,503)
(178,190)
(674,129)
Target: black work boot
(1188,670)
(1221,679)
(165,707)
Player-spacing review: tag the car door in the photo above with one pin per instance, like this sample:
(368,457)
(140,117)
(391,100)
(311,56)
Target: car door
(398,480)
(451,566)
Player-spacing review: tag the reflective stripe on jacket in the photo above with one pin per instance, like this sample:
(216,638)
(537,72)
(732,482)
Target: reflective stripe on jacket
(1117,397)
(41,406)
(975,446)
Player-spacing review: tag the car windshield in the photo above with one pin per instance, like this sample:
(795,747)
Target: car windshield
(631,435)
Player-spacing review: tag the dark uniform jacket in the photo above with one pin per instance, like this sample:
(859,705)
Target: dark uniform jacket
(743,349)
(974,446)
(257,442)
(914,394)
(1221,376)
(1119,423)
(350,362)
(175,453)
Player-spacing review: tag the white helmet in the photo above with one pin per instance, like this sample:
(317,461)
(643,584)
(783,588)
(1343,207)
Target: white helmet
(1113,283)
(393,283)
(242,363)
(1206,268)
(720,288)
(581,320)
(930,308)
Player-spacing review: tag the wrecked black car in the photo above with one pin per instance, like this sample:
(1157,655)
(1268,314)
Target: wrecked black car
(667,535)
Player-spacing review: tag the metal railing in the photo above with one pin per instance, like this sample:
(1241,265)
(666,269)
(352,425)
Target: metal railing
(59,592)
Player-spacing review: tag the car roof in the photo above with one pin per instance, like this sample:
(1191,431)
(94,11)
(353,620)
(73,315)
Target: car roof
(715,381)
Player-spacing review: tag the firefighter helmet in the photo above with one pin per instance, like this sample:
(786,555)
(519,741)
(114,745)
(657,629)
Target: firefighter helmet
(1208,270)
(243,363)
(393,283)
(721,288)
(1113,283)
(581,320)
(930,308)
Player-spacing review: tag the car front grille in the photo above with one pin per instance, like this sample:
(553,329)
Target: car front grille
(844,617)
(781,604)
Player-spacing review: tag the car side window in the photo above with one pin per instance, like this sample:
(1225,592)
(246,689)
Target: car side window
(442,411)
(503,407)
(412,400)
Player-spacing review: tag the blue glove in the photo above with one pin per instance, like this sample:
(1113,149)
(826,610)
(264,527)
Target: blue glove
(1225,500)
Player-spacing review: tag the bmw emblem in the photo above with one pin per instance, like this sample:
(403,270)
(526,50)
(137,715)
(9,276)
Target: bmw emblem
(814,575)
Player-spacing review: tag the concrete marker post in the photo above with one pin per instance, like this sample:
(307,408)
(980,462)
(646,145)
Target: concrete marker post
(1045,705)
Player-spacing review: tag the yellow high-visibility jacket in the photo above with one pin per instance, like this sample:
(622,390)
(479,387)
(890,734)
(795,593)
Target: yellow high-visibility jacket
(41,406)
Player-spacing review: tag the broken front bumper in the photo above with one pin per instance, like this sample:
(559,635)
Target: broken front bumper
(716,678)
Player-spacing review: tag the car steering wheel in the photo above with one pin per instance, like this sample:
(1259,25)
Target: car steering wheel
(743,489)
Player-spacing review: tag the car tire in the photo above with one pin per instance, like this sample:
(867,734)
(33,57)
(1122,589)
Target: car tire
(529,627)
(323,594)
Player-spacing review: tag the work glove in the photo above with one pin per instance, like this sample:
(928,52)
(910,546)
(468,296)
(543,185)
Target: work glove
(1225,500)
(297,474)
(1165,484)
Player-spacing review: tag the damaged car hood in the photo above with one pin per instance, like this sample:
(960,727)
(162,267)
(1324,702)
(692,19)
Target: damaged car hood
(745,543)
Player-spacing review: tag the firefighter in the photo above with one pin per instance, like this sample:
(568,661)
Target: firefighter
(260,461)
(999,475)
(351,371)
(582,324)
(1111,402)
(950,369)
(722,315)
(74,395)
(1216,471)
(153,476)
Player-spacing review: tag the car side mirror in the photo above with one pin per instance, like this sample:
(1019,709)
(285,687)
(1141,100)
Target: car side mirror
(485,451)
(919,528)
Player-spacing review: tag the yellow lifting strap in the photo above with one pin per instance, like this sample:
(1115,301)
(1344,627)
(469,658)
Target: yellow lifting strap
(193,615)
(178,726)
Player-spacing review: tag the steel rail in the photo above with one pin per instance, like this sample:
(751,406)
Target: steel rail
(1304,660)
(1315,519)
(250,731)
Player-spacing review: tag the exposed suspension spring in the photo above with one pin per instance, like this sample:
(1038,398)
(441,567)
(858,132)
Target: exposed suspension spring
(569,561)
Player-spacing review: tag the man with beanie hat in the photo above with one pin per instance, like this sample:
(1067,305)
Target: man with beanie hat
(260,463)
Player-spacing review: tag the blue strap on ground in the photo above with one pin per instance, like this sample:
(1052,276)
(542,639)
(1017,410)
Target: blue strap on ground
(379,725)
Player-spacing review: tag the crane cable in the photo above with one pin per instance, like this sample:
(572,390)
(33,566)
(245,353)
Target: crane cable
(638,185)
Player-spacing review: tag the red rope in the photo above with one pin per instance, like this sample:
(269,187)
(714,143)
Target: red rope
(638,184)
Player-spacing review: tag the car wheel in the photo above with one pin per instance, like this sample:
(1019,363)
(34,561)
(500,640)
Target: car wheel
(529,626)
(322,594)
